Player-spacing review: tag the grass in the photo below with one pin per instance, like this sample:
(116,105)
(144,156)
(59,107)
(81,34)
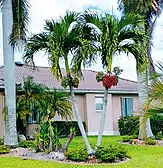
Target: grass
(141,157)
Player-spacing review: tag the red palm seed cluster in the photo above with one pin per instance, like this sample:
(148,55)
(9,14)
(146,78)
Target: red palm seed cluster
(109,81)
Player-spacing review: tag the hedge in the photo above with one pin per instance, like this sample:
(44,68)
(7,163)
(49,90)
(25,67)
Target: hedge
(65,126)
(130,125)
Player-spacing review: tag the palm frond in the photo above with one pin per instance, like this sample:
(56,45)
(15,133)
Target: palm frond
(154,111)
(117,35)
(20,10)
(35,44)
(58,103)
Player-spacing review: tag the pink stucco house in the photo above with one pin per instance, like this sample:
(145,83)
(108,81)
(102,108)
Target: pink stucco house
(122,99)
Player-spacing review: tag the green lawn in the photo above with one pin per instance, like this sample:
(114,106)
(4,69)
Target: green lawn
(141,157)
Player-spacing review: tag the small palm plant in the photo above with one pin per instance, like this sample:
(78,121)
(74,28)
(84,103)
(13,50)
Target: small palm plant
(29,96)
(54,103)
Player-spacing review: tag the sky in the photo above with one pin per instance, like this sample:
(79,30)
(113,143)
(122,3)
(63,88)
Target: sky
(41,10)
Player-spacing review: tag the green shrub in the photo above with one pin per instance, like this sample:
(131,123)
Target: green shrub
(78,155)
(111,153)
(4,149)
(127,138)
(159,136)
(65,126)
(27,144)
(130,125)
(150,141)
(157,124)
(1,140)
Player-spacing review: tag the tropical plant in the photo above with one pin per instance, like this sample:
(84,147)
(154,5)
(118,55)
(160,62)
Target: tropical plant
(59,39)
(56,103)
(150,10)
(15,19)
(154,103)
(115,36)
(30,96)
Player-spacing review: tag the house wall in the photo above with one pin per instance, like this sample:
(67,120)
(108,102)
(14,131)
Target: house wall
(81,105)
(116,103)
(80,100)
(88,113)
(93,117)
(1,115)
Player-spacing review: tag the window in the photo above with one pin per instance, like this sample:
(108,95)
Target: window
(35,118)
(126,106)
(99,103)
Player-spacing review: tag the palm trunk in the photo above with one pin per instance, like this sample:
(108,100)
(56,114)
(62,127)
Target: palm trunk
(102,119)
(80,124)
(144,128)
(11,138)
(50,140)
(151,70)
(66,145)
(152,26)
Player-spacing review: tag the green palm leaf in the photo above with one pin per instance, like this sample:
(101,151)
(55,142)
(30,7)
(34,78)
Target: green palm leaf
(20,10)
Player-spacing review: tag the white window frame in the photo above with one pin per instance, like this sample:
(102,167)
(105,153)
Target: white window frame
(97,97)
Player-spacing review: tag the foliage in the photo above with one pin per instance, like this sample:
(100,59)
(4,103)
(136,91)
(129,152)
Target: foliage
(27,144)
(150,141)
(112,38)
(159,135)
(150,9)
(48,103)
(111,153)
(78,155)
(41,138)
(110,79)
(4,149)
(127,138)
(65,126)
(129,125)
(21,20)
(69,81)
(117,71)
(1,140)
(99,76)
(58,39)
(47,137)
(157,124)
(141,157)
(56,103)
(29,97)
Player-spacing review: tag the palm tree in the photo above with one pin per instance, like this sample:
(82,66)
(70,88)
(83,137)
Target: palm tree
(56,103)
(30,96)
(15,19)
(59,39)
(150,9)
(154,104)
(116,36)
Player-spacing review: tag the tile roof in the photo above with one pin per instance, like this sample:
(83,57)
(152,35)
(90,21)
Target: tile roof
(44,76)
